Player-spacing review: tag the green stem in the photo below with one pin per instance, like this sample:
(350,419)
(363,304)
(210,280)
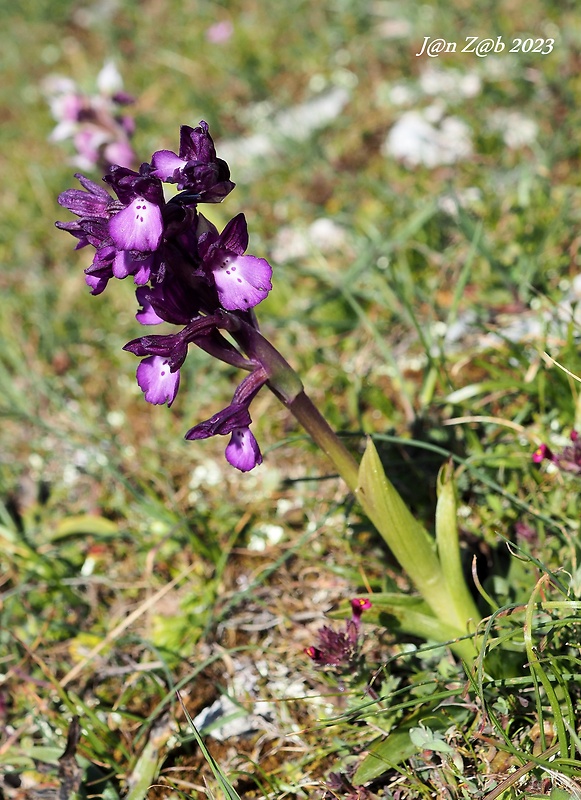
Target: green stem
(284,382)
(304,410)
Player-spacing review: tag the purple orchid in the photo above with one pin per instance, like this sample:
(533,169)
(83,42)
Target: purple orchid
(94,206)
(196,169)
(187,274)
(158,382)
(139,225)
(242,451)
(242,281)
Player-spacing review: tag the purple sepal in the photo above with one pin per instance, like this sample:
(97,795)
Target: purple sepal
(101,270)
(234,237)
(96,232)
(206,183)
(75,229)
(222,423)
(173,347)
(128,185)
(196,144)
(157,381)
(90,203)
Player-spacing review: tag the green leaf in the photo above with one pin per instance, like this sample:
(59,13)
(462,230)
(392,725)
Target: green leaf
(147,766)
(448,542)
(229,791)
(407,539)
(560,794)
(85,524)
(46,754)
(424,739)
(399,746)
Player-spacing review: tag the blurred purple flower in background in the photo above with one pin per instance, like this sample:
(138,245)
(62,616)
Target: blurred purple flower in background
(568,460)
(95,123)
(220,32)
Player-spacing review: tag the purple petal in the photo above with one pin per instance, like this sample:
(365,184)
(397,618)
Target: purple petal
(142,273)
(207,235)
(129,185)
(196,143)
(96,284)
(97,233)
(146,314)
(90,203)
(165,163)
(235,235)
(125,264)
(541,453)
(157,381)
(171,347)
(122,264)
(137,227)
(242,281)
(242,450)
(75,229)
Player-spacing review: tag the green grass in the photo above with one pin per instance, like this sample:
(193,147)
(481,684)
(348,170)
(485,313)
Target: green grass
(131,567)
